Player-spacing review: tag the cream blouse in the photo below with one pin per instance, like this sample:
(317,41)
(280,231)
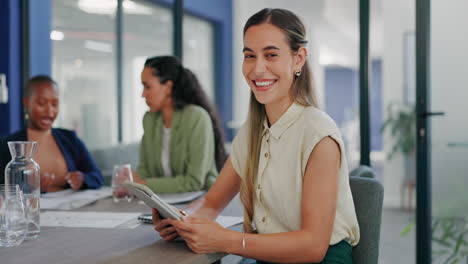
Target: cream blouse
(285,150)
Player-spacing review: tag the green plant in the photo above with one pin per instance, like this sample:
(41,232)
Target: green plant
(401,122)
(449,242)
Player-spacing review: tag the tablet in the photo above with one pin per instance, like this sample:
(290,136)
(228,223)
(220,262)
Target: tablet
(152,200)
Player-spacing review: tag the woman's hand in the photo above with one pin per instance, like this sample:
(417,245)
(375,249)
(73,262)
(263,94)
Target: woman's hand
(75,179)
(202,235)
(46,180)
(164,227)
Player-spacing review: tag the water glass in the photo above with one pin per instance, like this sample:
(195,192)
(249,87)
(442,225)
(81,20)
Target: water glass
(13,220)
(121,174)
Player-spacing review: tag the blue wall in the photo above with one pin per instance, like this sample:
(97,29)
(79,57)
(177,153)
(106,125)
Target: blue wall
(342,92)
(40,25)
(10,64)
(341,85)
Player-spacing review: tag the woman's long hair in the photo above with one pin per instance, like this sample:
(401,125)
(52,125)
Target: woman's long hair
(187,90)
(302,90)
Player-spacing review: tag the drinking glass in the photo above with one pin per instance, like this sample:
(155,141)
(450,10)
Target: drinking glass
(13,220)
(121,174)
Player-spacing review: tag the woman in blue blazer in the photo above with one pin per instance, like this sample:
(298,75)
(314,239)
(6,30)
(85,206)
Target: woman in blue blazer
(64,160)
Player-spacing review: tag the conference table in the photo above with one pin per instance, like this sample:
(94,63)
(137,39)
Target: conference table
(141,245)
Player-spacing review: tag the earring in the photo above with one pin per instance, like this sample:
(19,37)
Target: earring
(298,73)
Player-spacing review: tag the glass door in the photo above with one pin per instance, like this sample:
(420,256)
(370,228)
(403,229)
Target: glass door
(448,142)
(443,150)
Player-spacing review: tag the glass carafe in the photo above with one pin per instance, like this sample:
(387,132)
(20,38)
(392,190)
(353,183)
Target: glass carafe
(23,170)
(13,222)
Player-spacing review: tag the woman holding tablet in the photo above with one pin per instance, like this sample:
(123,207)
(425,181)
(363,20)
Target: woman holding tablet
(287,163)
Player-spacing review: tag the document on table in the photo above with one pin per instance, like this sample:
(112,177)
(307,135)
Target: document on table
(89,219)
(70,199)
(175,198)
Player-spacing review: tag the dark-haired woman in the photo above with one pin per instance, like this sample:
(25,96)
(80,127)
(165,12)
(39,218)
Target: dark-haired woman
(64,160)
(287,162)
(182,147)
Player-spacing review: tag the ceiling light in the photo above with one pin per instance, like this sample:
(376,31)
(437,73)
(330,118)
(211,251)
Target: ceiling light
(98,46)
(109,7)
(56,35)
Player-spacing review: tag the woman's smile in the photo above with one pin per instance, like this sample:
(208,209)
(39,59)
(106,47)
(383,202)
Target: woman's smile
(263,85)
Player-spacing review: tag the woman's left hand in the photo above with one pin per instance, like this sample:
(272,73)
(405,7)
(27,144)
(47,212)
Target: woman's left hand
(202,235)
(75,179)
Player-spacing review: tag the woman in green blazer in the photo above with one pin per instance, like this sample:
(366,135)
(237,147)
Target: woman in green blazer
(182,147)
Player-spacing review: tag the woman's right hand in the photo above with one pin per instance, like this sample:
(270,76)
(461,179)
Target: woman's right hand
(46,180)
(162,226)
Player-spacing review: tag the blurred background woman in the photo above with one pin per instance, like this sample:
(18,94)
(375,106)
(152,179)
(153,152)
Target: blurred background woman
(62,156)
(182,147)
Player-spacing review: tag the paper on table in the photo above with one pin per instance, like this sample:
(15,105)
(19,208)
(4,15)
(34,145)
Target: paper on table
(70,199)
(57,194)
(88,219)
(175,198)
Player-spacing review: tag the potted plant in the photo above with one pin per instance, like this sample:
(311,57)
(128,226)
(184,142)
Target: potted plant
(401,123)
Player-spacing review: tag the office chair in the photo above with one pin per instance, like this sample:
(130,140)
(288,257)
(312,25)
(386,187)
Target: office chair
(368,200)
(363,171)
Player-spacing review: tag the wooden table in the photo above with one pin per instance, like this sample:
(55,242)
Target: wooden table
(92,245)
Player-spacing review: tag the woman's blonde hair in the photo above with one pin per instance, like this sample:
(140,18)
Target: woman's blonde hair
(302,91)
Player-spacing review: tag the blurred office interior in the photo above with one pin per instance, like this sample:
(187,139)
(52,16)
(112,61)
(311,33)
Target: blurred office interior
(95,50)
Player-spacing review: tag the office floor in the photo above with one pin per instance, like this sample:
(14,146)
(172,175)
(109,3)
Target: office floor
(393,247)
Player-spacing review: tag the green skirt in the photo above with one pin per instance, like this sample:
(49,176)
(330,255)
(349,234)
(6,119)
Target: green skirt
(340,253)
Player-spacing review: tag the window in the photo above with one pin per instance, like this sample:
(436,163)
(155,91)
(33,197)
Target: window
(199,50)
(83,64)
(146,33)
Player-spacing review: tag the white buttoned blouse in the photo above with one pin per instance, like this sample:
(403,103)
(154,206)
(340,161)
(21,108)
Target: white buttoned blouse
(285,150)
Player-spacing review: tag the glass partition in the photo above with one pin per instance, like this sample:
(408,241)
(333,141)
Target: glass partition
(83,64)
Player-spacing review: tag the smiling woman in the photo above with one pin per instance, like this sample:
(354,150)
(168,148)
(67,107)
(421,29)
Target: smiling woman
(287,162)
(62,156)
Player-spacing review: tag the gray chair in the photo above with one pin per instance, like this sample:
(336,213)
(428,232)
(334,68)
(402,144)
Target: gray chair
(363,171)
(368,200)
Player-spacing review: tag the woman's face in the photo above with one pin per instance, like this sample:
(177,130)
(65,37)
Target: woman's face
(42,105)
(156,95)
(269,64)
